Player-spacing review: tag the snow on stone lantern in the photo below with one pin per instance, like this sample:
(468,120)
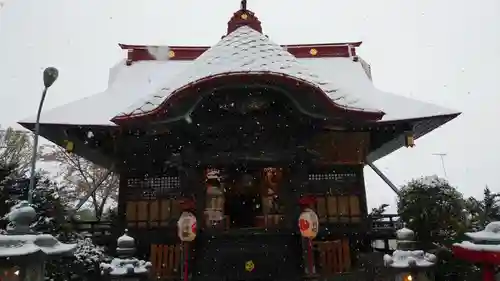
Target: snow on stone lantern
(409,264)
(23,252)
(125,267)
(484,249)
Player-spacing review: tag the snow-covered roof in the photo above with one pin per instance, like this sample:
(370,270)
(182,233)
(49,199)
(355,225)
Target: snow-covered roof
(125,239)
(408,259)
(405,234)
(21,241)
(478,247)
(477,251)
(144,85)
(127,84)
(491,233)
(29,244)
(247,51)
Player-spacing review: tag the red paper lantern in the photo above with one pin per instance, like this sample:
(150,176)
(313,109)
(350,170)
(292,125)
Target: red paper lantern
(308,224)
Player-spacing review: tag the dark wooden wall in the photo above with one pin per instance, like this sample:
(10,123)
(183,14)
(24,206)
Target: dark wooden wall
(157,172)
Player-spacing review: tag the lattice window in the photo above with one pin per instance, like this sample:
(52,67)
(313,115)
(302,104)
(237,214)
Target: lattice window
(150,188)
(334,180)
(339,177)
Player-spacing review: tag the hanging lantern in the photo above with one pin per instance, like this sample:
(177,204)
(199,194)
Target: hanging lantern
(186,227)
(308,224)
(409,139)
(70,146)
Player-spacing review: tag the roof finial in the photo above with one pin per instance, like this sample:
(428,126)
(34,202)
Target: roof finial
(243,5)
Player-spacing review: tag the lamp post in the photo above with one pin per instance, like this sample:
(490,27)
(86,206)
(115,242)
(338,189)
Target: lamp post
(50,75)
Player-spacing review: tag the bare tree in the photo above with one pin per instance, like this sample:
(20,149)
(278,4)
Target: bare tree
(16,148)
(84,179)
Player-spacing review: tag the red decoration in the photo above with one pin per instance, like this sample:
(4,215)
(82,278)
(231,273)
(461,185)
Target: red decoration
(488,259)
(244,18)
(193,227)
(310,256)
(307,201)
(187,204)
(308,223)
(303,225)
(186,261)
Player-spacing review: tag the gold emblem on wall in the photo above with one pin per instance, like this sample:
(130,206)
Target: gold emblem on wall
(249,266)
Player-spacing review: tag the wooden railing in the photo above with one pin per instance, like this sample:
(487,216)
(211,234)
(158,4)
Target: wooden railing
(166,260)
(385,220)
(269,221)
(385,224)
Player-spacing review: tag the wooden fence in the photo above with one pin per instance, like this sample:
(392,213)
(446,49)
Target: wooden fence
(332,257)
(166,261)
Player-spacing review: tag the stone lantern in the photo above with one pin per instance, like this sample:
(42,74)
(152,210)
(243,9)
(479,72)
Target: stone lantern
(23,252)
(125,267)
(408,263)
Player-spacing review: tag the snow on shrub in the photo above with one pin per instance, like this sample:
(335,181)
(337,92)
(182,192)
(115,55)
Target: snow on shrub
(88,253)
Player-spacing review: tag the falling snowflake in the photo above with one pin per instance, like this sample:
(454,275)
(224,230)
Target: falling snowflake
(159,52)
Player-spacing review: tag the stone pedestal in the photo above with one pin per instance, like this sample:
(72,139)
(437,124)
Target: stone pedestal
(125,266)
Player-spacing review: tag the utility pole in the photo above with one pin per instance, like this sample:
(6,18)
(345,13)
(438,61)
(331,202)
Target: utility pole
(442,155)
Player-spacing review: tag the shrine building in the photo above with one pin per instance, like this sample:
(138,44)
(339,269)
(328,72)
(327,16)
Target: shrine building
(246,132)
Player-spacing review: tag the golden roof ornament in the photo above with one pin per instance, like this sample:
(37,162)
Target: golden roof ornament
(244,17)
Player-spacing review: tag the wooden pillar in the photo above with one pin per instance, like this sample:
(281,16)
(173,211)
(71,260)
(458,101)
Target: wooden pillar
(196,190)
(122,200)
(192,182)
(297,180)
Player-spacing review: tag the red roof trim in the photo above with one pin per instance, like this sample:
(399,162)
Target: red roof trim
(476,256)
(215,81)
(354,44)
(140,52)
(145,47)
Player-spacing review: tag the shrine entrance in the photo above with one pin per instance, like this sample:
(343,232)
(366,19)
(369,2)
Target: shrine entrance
(243,197)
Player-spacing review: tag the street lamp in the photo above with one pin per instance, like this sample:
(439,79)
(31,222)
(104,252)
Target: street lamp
(50,75)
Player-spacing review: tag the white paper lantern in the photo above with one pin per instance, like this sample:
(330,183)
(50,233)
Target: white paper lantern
(308,224)
(186,227)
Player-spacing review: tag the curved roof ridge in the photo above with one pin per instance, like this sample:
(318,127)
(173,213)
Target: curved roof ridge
(244,50)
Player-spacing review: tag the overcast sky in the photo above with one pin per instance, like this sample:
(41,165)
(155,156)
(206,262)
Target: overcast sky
(445,52)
